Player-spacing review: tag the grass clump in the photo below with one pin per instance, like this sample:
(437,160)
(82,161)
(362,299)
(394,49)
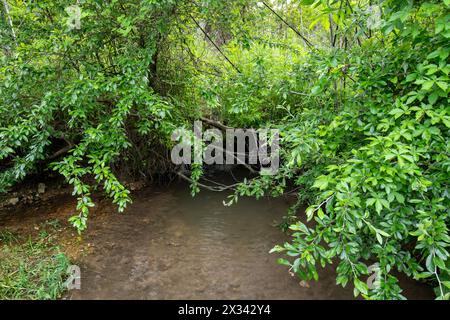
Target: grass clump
(34,269)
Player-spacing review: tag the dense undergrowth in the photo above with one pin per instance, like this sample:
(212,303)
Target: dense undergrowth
(358,89)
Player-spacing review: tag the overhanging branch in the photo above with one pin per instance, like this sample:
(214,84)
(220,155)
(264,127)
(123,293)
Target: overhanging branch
(308,43)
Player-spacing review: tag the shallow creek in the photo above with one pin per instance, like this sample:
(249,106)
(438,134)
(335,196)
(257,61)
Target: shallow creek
(172,246)
(169,245)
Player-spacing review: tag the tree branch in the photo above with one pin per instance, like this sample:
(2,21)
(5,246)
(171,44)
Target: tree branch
(289,25)
(214,44)
(210,188)
(216,124)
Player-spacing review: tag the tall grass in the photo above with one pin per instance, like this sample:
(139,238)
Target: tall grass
(34,269)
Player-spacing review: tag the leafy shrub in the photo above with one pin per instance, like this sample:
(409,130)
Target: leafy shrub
(82,98)
(371,154)
(361,103)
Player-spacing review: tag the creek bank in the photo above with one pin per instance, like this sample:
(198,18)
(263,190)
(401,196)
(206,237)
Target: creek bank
(35,193)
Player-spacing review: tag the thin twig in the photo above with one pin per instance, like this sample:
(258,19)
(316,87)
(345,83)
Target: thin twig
(210,188)
(214,44)
(290,26)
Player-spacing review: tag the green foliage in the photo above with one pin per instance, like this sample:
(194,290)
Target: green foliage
(370,151)
(358,89)
(90,89)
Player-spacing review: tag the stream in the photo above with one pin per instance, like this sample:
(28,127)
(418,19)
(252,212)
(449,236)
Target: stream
(172,246)
(169,245)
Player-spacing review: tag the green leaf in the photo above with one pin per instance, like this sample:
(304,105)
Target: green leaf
(284,262)
(307,2)
(361,286)
(316,90)
(427,85)
(443,85)
(429,263)
(277,249)
(379,238)
(321,183)
(378,206)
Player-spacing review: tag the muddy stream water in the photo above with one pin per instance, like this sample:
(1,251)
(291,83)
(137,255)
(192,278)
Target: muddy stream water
(169,245)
